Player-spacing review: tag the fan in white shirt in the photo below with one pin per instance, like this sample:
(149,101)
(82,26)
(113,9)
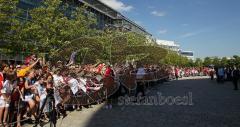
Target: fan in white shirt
(140,73)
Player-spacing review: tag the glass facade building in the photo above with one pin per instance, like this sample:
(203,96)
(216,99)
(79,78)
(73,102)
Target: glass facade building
(188,54)
(105,15)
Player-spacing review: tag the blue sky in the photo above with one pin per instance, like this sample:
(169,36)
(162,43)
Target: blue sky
(207,27)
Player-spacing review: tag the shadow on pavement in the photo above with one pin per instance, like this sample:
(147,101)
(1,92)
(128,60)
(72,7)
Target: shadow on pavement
(214,105)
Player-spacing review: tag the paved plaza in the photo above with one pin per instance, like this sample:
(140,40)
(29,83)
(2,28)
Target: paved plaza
(211,105)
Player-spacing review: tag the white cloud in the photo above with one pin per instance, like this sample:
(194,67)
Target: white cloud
(158,13)
(162,31)
(185,24)
(190,34)
(118,5)
(195,33)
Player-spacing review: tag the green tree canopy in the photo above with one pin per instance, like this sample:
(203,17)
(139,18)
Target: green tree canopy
(89,50)
(55,23)
(224,61)
(9,25)
(207,61)
(198,62)
(173,58)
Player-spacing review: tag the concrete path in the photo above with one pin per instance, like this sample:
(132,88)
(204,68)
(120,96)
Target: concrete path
(188,102)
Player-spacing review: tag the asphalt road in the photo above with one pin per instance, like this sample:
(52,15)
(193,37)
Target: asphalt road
(191,102)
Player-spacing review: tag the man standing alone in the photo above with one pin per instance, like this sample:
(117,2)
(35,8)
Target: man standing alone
(221,74)
(235,77)
(176,73)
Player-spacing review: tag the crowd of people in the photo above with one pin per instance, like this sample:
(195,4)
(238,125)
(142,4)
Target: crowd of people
(25,88)
(33,90)
(180,72)
(227,74)
(221,73)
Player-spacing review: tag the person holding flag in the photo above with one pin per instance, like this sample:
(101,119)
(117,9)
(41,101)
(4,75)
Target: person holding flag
(72,58)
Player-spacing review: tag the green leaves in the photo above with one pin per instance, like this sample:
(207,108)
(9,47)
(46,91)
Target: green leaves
(198,62)
(121,46)
(173,58)
(8,24)
(54,23)
(224,61)
(89,50)
(59,28)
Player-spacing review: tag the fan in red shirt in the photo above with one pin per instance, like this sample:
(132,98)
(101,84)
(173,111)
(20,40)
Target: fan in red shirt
(1,79)
(30,59)
(108,72)
(20,86)
(176,73)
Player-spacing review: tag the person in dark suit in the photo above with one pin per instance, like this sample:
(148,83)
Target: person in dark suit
(235,77)
(228,72)
(216,71)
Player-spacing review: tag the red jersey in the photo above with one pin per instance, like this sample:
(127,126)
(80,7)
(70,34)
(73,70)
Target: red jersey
(108,72)
(1,78)
(1,81)
(176,71)
(15,96)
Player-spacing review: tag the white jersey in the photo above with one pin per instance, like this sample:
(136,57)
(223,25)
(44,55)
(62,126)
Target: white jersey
(57,97)
(140,73)
(57,80)
(41,90)
(73,85)
(82,84)
(7,87)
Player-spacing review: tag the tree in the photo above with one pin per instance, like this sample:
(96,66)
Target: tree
(207,61)
(113,42)
(9,25)
(236,57)
(136,39)
(172,58)
(184,61)
(224,61)
(191,63)
(198,62)
(216,62)
(54,24)
(146,54)
(88,49)
(236,60)
(121,46)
